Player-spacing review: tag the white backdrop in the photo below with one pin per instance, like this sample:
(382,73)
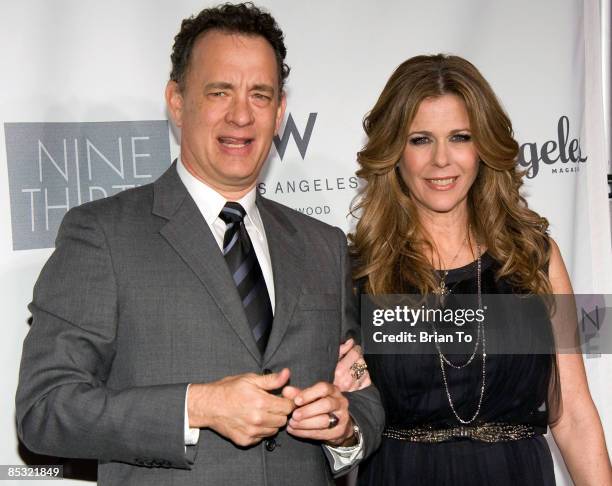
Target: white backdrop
(84,61)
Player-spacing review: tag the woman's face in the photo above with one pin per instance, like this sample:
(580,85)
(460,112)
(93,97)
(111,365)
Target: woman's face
(440,163)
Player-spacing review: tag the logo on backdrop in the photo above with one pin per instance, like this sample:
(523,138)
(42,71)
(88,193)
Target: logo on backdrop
(291,131)
(53,167)
(301,185)
(563,155)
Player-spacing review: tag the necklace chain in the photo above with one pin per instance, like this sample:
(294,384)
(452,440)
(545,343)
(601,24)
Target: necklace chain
(442,290)
(480,337)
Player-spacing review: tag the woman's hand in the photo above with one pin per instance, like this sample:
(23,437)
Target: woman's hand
(351,371)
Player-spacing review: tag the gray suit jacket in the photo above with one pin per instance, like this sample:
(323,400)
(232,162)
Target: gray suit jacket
(137,301)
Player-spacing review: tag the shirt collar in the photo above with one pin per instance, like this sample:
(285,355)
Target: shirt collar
(210,202)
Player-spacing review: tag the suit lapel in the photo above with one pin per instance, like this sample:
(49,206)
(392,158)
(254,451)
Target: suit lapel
(188,234)
(287,256)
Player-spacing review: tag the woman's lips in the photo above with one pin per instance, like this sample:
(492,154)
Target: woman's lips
(442,184)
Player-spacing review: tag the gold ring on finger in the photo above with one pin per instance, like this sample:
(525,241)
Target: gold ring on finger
(358,369)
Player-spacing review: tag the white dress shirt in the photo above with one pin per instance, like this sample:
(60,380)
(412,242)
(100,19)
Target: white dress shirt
(210,203)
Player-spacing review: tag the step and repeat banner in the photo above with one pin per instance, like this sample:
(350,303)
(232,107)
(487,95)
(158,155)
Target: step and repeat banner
(82,116)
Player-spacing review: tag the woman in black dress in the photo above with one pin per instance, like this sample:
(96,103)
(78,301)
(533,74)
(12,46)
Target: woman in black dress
(441,213)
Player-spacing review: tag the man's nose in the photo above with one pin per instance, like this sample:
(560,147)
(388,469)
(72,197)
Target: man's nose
(240,112)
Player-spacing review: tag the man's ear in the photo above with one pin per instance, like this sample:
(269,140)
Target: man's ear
(280,112)
(174,101)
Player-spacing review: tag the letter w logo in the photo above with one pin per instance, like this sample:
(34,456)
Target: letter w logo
(291,131)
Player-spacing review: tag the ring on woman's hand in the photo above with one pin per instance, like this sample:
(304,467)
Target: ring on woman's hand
(358,369)
(333,420)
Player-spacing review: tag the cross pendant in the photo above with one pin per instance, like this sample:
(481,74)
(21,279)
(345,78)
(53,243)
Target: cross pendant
(442,290)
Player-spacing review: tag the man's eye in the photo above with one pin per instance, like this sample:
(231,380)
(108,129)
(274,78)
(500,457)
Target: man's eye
(261,96)
(217,94)
(461,137)
(419,140)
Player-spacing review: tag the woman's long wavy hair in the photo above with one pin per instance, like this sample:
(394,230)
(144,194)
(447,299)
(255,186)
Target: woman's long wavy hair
(389,239)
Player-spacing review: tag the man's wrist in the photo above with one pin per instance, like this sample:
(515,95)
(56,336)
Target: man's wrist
(351,440)
(198,397)
(191,434)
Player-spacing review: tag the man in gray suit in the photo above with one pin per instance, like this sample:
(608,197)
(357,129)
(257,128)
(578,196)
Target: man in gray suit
(186,332)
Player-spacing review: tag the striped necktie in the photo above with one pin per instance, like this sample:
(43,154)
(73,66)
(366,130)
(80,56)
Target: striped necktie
(243,265)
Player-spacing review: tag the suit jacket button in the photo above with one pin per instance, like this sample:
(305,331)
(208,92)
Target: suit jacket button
(270,445)
(267,371)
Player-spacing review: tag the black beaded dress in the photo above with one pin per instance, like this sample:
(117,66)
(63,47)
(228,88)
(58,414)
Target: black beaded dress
(414,395)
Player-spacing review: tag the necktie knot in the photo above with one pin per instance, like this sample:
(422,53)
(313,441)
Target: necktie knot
(232,212)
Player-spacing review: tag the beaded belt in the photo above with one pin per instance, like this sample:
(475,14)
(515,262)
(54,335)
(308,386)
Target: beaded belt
(488,432)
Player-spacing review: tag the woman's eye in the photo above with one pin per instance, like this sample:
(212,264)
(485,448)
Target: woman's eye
(461,137)
(419,140)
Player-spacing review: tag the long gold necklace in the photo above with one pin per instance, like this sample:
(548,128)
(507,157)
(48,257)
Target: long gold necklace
(480,341)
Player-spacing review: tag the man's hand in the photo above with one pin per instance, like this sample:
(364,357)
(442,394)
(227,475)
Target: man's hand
(311,419)
(345,378)
(240,407)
